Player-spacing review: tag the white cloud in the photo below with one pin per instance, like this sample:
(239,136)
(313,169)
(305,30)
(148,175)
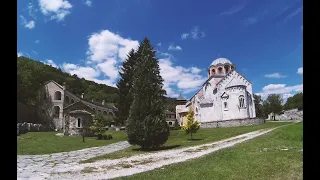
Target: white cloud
(88,3)
(159,44)
(105,45)
(195,33)
(300,70)
(32,10)
(179,78)
(27,24)
(184,35)
(51,63)
(174,48)
(109,68)
(282,89)
(275,75)
(56,9)
(19,54)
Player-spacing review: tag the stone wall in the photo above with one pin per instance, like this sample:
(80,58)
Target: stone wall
(293,114)
(232,123)
(23,128)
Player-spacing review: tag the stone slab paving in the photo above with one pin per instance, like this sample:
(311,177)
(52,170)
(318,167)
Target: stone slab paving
(40,166)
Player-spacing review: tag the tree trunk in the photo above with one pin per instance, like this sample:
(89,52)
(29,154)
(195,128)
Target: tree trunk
(82,138)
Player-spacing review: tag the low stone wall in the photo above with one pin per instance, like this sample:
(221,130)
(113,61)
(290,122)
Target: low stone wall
(232,123)
(23,128)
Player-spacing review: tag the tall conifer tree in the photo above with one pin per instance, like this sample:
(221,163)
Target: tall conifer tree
(124,85)
(147,126)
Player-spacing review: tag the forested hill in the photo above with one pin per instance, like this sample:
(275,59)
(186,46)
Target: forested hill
(32,74)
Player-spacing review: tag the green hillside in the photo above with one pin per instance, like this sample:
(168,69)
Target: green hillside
(32,74)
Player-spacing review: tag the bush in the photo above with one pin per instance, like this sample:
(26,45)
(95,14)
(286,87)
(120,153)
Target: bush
(99,137)
(107,136)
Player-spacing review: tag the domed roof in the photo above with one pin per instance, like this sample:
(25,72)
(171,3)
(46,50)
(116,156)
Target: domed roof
(220,61)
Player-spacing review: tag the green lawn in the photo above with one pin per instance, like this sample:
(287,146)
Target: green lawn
(262,158)
(47,142)
(179,139)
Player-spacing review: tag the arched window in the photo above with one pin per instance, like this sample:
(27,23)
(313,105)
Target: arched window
(226,68)
(94,109)
(220,70)
(57,95)
(56,111)
(105,112)
(213,72)
(241,101)
(72,101)
(79,123)
(67,100)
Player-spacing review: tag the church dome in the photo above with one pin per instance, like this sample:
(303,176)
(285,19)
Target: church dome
(220,61)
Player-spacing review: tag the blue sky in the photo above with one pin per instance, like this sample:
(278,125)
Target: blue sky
(90,38)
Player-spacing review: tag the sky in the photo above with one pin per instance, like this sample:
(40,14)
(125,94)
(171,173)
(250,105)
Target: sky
(90,38)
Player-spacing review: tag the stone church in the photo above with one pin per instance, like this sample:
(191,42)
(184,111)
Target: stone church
(224,100)
(70,112)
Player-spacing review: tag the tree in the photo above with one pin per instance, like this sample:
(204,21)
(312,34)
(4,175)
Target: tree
(295,101)
(258,105)
(192,125)
(100,121)
(124,85)
(147,126)
(273,104)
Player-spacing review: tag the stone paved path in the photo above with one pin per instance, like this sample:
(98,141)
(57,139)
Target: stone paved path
(40,166)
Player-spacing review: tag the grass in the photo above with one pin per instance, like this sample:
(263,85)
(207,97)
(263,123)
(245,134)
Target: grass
(179,139)
(276,155)
(33,143)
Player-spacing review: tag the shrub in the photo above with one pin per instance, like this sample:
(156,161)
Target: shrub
(109,136)
(104,136)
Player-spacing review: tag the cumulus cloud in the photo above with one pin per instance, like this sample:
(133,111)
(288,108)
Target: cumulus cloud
(282,89)
(195,33)
(19,54)
(300,70)
(105,45)
(275,75)
(174,48)
(56,9)
(27,24)
(179,78)
(32,10)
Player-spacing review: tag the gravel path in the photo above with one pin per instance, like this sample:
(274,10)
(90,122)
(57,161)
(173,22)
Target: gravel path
(38,166)
(69,168)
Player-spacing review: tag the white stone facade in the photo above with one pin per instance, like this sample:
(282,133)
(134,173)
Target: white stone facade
(57,98)
(226,95)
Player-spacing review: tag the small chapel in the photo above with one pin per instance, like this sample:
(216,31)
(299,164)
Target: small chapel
(224,100)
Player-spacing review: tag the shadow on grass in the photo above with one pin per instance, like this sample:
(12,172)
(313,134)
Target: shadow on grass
(157,149)
(194,139)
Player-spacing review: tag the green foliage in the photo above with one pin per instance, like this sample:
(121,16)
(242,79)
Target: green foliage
(192,126)
(100,121)
(258,106)
(273,104)
(295,101)
(124,85)
(147,126)
(106,136)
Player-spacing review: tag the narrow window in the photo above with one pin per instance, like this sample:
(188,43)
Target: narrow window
(225,105)
(220,70)
(79,123)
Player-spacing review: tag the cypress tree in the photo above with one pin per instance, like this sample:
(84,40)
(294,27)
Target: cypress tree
(147,126)
(124,85)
